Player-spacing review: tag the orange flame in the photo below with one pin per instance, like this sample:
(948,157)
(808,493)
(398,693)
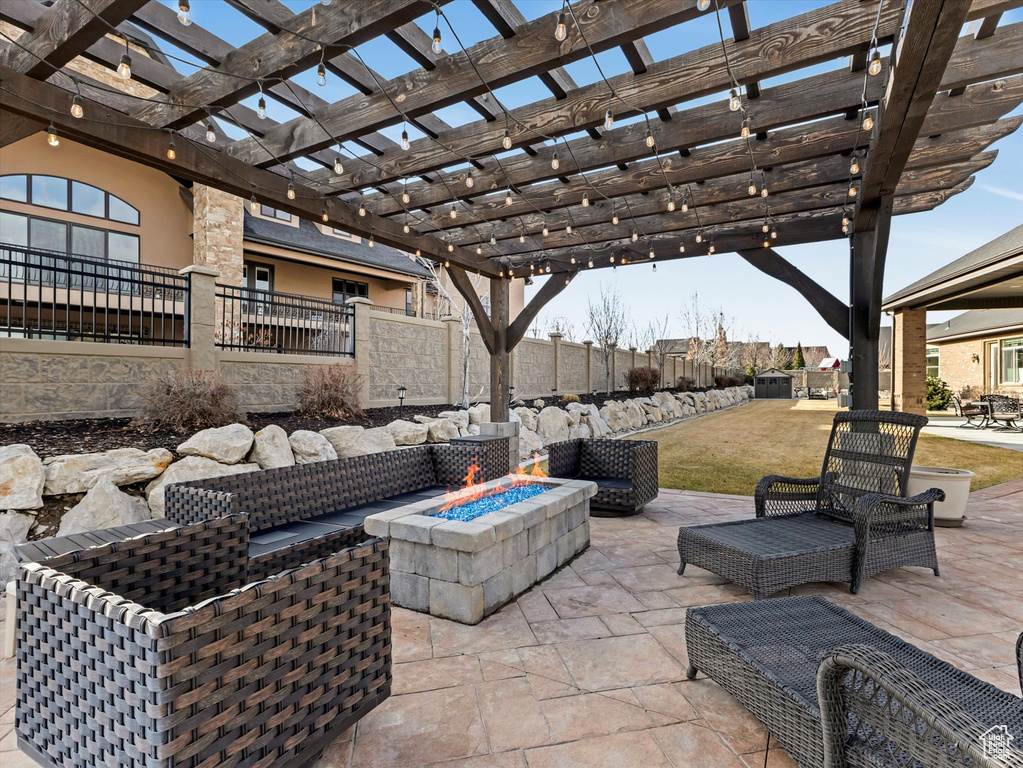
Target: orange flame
(473,483)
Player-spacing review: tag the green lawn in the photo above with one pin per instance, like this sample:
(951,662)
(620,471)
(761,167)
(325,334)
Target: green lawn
(728,452)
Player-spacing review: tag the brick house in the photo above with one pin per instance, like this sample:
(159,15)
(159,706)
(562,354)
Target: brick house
(978,351)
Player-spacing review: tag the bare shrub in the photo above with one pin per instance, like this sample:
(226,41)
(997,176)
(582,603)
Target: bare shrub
(330,392)
(570,398)
(642,380)
(685,384)
(189,399)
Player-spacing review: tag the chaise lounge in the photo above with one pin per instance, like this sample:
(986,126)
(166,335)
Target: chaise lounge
(625,471)
(846,525)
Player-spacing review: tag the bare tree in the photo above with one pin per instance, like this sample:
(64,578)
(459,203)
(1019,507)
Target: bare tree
(561,324)
(754,354)
(781,359)
(659,334)
(721,341)
(699,324)
(606,325)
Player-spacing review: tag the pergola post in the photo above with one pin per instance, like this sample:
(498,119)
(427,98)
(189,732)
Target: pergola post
(867,260)
(499,356)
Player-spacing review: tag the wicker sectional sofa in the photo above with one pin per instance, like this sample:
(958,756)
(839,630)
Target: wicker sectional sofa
(164,651)
(305,511)
(837,691)
(625,471)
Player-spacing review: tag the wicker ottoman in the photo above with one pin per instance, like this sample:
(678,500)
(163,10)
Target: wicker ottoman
(158,651)
(835,690)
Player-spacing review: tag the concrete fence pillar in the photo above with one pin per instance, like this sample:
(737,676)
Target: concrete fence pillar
(453,386)
(909,385)
(632,357)
(612,369)
(202,317)
(589,366)
(361,345)
(556,376)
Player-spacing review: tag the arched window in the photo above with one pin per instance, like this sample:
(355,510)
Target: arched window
(62,194)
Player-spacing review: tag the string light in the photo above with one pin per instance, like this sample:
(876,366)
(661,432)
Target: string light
(508,198)
(568,229)
(172,151)
(614,219)
(372,242)
(548,267)
(589,263)
(854,166)
(752,189)
(291,191)
(405,228)
(651,254)
(506,142)
(253,205)
(734,102)
(655,267)
(763,191)
(184,13)
(77,110)
(211,134)
(868,122)
(635,235)
(852,191)
(568,280)
(405,198)
(326,218)
(554,161)
(261,108)
(875,63)
(710,248)
(767,243)
(766,228)
(404,140)
(454,213)
(649,139)
(418,253)
(479,250)
(702,5)
(612,258)
(560,29)
(446,263)
(493,239)
(522,238)
(450,249)
(609,119)
(744,133)
(545,230)
(681,247)
(586,200)
(699,236)
(774,234)
(468,180)
(124,66)
(671,203)
(362,209)
(321,73)
(338,166)
(51,136)
(436,47)
(573,259)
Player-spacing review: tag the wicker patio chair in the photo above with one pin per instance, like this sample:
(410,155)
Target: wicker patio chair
(160,652)
(836,691)
(625,471)
(846,525)
(970,412)
(1005,411)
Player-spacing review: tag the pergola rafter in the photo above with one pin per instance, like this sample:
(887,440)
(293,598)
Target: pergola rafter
(937,107)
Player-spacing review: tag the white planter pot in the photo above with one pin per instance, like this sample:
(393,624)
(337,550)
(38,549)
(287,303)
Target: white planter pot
(954,482)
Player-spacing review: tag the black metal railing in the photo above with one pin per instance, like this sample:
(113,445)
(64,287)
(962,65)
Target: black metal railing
(403,311)
(64,297)
(268,321)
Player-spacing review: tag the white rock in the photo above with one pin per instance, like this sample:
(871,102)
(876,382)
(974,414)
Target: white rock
(375,440)
(310,447)
(189,468)
(460,418)
(13,531)
(538,403)
(552,425)
(598,427)
(271,449)
(420,419)
(343,439)
(573,417)
(408,432)
(474,429)
(228,445)
(580,430)
(479,414)
(527,417)
(103,506)
(635,415)
(653,413)
(21,478)
(529,444)
(442,431)
(77,473)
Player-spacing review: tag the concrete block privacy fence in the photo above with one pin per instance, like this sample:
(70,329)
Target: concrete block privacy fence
(42,379)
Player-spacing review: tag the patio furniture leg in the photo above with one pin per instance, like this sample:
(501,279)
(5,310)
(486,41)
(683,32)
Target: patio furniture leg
(682,569)
(691,672)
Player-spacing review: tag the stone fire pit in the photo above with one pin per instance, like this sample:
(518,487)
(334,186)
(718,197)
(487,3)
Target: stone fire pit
(467,570)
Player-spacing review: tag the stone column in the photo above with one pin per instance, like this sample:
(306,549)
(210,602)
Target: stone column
(361,307)
(454,357)
(217,232)
(909,363)
(589,366)
(632,351)
(202,317)
(556,382)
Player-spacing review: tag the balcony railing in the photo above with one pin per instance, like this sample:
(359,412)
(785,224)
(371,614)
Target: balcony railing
(268,321)
(52,295)
(403,311)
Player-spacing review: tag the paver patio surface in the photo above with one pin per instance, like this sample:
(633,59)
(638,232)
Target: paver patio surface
(587,668)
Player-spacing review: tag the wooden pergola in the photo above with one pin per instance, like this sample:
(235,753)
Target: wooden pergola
(895,118)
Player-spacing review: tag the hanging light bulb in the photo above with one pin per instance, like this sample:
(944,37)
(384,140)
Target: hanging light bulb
(436,47)
(734,102)
(362,209)
(868,122)
(752,189)
(710,248)
(405,228)
(586,200)
(609,119)
(291,191)
(681,247)
(774,234)
(845,229)
(649,139)
(635,235)
(560,30)
(500,272)
(703,4)
(77,110)
(321,74)
(614,219)
(253,205)
(875,63)
(589,263)
(418,252)
(699,236)
(325,217)
(522,238)
(338,166)
(767,243)
(405,198)
(506,142)
(450,249)
(651,254)
(493,239)
(508,198)
(453,214)
(545,230)
(532,267)
(124,67)
(852,191)
(573,259)
(479,250)
(172,151)
(261,108)
(469,180)
(612,258)
(446,263)
(568,229)
(211,134)
(184,13)
(554,161)
(404,140)
(671,203)
(854,166)
(371,242)
(766,228)
(685,204)
(763,191)
(548,267)
(51,136)
(744,132)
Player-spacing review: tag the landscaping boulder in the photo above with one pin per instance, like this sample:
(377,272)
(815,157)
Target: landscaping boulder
(343,439)
(460,418)
(189,468)
(420,419)
(442,431)
(375,440)
(77,473)
(310,447)
(527,417)
(104,506)
(529,444)
(271,449)
(539,404)
(21,478)
(579,430)
(552,425)
(13,531)
(479,414)
(228,445)
(408,432)
(635,416)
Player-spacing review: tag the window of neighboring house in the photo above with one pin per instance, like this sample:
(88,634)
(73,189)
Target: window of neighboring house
(349,289)
(37,233)
(409,310)
(274,213)
(67,195)
(932,361)
(258,277)
(1012,361)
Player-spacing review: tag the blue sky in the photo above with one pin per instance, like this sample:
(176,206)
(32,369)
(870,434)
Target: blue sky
(759,306)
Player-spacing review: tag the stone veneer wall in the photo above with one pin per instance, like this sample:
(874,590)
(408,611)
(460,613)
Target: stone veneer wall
(409,352)
(533,368)
(267,382)
(572,368)
(219,220)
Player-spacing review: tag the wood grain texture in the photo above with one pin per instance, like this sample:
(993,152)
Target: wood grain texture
(463,284)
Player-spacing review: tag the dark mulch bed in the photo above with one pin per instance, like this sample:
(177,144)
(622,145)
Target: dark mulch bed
(53,438)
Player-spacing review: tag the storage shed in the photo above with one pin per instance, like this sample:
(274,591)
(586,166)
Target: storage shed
(773,383)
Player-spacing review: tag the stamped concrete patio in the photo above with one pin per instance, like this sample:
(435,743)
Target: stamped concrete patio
(587,668)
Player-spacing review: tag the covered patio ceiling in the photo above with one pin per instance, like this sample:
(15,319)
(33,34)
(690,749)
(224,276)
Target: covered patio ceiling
(803,130)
